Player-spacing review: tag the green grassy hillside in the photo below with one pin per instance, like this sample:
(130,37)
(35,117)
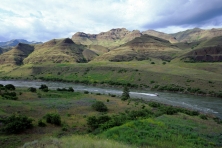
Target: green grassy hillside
(59,51)
(16,55)
(141,48)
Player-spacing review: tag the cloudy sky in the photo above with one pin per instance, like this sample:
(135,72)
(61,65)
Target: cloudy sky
(42,20)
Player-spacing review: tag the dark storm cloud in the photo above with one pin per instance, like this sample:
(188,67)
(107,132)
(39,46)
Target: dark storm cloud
(191,13)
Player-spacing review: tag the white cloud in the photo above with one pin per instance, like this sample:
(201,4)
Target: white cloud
(43,20)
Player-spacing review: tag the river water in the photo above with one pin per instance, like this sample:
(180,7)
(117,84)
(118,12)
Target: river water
(210,105)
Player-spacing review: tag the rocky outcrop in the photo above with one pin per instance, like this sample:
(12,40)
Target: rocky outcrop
(161,35)
(141,48)
(110,39)
(207,54)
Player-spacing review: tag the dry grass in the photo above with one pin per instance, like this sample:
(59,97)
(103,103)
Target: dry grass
(75,141)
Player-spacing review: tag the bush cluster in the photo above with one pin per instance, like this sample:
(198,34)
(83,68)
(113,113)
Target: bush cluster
(7,87)
(9,96)
(70,89)
(172,87)
(15,124)
(170,110)
(104,122)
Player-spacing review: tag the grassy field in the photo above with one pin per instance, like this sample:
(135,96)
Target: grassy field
(140,123)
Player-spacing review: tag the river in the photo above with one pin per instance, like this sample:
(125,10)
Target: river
(210,105)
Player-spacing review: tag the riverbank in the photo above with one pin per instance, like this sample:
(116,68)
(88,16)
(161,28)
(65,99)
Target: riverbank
(209,105)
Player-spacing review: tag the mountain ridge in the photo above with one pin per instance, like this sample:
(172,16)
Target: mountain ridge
(115,45)
(15,42)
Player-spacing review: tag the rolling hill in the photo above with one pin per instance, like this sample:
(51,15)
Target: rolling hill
(60,51)
(17,54)
(141,48)
(196,34)
(206,51)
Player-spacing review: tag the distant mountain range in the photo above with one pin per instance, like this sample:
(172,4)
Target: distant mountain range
(15,42)
(194,45)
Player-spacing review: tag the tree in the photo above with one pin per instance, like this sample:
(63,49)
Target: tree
(125,94)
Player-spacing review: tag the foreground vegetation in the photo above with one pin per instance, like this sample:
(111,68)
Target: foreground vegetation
(99,121)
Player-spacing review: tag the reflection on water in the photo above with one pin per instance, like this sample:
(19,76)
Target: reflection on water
(204,104)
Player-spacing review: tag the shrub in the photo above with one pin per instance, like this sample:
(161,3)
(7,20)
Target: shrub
(217,120)
(32,89)
(151,82)
(152,62)
(10,87)
(99,106)
(71,89)
(44,88)
(204,117)
(86,92)
(53,118)
(65,126)
(41,123)
(15,124)
(154,104)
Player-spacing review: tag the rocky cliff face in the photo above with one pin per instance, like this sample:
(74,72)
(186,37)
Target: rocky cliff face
(161,35)
(207,54)
(110,39)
